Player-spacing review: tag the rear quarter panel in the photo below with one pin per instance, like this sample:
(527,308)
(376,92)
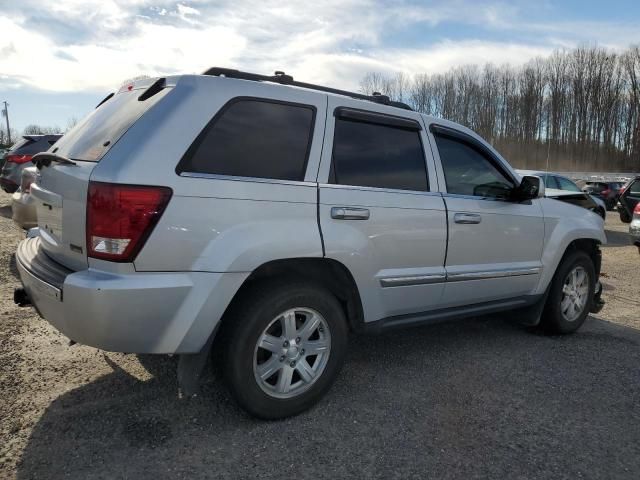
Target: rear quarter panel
(216,223)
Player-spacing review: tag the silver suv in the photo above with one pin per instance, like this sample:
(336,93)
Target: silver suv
(267,219)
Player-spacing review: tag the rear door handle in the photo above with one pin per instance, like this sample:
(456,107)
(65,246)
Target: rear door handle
(349,213)
(467,218)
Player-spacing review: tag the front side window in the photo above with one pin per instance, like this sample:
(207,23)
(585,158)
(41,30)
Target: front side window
(467,171)
(377,155)
(254,138)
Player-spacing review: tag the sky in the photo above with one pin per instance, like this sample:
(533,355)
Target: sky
(59,58)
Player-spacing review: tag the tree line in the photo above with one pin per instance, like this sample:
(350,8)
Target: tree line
(576,110)
(33,129)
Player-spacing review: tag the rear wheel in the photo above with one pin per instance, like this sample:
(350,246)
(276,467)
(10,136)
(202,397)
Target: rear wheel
(571,294)
(284,349)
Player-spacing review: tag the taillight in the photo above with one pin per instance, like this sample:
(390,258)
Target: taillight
(636,211)
(120,218)
(606,191)
(13,158)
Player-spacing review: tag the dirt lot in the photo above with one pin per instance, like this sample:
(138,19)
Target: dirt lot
(478,398)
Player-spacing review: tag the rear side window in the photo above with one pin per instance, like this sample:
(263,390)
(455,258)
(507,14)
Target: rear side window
(254,138)
(376,155)
(468,171)
(96,133)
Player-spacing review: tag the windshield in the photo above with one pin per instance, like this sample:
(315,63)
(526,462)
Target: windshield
(96,133)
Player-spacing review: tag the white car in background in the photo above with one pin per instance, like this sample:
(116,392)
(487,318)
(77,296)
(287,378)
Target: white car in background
(564,189)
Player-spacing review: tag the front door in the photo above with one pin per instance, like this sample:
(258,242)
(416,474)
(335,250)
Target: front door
(495,244)
(631,196)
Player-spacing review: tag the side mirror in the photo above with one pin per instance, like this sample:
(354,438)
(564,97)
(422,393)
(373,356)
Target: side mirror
(530,187)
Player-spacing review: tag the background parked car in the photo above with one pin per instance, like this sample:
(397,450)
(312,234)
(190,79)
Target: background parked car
(607,191)
(22,203)
(3,152)
(564,189)
(628,199)
(19,157)
(634,228)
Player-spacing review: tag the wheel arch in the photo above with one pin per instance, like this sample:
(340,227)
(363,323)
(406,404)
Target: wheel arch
(328,273)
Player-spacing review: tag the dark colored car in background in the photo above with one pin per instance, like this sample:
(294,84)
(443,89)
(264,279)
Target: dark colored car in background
(19,157)
(628,199)
(607,191)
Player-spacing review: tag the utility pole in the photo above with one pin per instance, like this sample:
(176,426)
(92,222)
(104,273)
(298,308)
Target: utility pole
(5,112)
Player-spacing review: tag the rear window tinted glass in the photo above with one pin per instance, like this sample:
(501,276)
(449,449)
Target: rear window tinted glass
(19,144)
(96,133)
(36,145)
(372,155)
(254,138)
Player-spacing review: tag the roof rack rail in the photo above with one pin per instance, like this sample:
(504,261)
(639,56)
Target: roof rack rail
(284,79)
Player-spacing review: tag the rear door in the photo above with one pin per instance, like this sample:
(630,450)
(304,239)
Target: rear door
(631,196)
(495,245)
(60,191)
(379,210)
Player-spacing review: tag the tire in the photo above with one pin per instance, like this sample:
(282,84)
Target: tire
(624,216)
(269,308)
(556,318)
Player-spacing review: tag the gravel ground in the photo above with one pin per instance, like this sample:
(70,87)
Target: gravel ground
(477,398)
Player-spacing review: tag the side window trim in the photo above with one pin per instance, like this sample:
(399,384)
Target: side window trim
(472,142)
(375,118)
(193,148)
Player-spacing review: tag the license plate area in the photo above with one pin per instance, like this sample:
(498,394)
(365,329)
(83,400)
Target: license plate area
(50,221)
(49,210)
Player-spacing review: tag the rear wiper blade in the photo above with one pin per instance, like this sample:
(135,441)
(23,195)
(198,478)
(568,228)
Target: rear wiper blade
(44,159)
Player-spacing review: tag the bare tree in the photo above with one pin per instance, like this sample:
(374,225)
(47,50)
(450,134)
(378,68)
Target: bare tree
(72,122)
(34,129)
(576,109)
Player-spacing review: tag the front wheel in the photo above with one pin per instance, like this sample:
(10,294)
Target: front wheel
(571,294)
(285,348)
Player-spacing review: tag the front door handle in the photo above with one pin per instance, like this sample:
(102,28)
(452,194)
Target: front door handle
(467,218)
(349,213)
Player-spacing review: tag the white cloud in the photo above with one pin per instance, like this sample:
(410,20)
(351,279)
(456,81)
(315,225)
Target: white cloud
(333,42)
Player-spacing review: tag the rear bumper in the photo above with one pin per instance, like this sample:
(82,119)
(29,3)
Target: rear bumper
(23,207)
(135,313)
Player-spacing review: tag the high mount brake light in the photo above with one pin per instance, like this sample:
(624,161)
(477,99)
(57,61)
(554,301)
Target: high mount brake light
(120,218)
